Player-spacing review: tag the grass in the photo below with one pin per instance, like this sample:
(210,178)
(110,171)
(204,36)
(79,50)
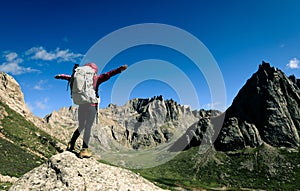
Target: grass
(16,161)
(259,168)
(25,134)
(24,146)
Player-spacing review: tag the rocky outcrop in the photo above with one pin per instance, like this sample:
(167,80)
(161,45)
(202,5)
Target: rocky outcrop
(266,109)
(67,172)
(8,179)
(11,94)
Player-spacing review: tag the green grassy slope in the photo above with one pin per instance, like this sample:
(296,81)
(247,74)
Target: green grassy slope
(261,168)
(23,146)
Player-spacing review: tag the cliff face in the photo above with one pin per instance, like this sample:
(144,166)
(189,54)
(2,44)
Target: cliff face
(144,123)
(12,95)
(266,109)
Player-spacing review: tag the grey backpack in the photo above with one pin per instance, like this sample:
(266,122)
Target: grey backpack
(81,84)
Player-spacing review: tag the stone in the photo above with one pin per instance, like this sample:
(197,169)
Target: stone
(67,172)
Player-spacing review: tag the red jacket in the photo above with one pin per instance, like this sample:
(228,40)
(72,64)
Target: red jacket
(97,79)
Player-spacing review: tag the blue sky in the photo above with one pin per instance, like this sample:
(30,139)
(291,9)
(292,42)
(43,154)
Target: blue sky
(39,39)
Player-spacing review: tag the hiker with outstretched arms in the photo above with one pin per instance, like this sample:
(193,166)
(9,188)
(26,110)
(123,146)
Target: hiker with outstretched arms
(84,84)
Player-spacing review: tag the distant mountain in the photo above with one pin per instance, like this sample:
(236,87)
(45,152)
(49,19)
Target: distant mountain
(266,110)
(139,124)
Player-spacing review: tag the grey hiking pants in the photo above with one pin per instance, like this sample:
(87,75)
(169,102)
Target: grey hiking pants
(86,117)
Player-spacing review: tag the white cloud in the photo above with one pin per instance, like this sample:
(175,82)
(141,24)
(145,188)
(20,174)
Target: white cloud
(41,85)
(29,106)
(12,65)
(11,56)
(13,62)
(38,105)
(42,104)
(293,64)
(213,106)
(39,53)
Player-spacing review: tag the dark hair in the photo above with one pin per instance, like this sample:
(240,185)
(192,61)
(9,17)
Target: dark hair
(74,67)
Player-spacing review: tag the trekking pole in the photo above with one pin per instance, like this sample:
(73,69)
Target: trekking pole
(97,108)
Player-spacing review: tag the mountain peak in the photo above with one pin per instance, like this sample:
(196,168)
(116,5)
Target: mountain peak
(266,66)
(266,110)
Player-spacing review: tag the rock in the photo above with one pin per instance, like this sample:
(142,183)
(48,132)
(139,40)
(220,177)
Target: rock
(63,122)
(11,94)
(266,109)
(200,133)
(67,172)
(8,179)
(3,113)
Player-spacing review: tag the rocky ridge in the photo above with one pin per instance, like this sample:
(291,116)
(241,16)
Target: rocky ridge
(65,171)
(139,124)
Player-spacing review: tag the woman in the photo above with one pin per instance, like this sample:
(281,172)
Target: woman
(88,112)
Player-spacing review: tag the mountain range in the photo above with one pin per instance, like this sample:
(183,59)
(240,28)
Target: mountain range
(253,143)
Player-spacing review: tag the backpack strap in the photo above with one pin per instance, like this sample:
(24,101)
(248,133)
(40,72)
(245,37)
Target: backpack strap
(70,81)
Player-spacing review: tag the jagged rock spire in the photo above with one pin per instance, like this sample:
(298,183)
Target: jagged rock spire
(266,109)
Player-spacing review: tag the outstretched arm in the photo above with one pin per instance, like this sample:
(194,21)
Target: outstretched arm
(63,77)
(106,76)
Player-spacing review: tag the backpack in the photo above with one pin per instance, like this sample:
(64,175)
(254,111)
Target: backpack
(81,84)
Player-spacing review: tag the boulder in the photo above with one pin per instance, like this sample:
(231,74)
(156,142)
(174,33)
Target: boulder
(67,172)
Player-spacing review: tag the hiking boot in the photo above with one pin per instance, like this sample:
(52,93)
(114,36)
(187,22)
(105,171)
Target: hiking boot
(85,153)
(70,147)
